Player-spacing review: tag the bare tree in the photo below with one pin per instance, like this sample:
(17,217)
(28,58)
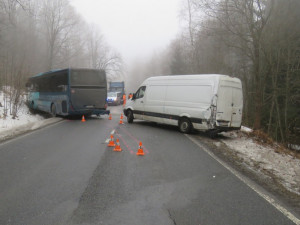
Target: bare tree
(57,19)
(101,55)
(14,53)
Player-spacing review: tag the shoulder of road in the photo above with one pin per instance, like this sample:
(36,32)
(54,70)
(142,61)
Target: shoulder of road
(26,128)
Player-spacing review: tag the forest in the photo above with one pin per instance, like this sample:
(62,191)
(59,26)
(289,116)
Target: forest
(257,41)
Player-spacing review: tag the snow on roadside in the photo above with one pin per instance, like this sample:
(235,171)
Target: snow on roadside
(246,129)
(285,167)
(24,117)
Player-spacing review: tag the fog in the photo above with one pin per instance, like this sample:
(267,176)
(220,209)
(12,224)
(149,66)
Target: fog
(136,28)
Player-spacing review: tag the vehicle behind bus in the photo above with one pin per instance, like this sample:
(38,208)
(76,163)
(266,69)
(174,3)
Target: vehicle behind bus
(117,87)
(114,98)
(69,92)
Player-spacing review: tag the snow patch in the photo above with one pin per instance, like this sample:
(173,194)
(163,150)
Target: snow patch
(24,117)
(285,167)
(246,129)
(25,121)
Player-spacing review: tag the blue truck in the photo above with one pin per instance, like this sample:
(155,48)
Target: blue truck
(117,87)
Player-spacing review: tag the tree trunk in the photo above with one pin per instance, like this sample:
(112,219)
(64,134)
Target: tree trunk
(287,87)
(271,116)
(258,87)
(279,122)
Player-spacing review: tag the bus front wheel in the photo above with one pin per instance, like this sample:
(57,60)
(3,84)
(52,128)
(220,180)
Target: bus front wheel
(53,110)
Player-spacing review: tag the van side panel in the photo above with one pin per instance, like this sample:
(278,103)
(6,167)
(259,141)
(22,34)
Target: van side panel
(190,100)
(154,102)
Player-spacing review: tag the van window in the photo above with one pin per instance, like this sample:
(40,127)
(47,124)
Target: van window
(140,93)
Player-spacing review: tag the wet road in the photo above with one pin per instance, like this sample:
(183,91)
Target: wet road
(66,174)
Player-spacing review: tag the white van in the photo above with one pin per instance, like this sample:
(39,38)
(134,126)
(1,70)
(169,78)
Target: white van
(208,102)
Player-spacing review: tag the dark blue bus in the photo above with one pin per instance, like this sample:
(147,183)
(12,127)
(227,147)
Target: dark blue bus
(69,92)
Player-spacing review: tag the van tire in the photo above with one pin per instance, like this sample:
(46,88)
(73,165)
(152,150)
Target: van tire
(53,110)
(129,115)
(185,125)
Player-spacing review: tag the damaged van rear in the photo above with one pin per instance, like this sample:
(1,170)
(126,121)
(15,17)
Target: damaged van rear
(208,102)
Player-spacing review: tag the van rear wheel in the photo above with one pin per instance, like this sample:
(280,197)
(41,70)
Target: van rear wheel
(129,116)
(185,125)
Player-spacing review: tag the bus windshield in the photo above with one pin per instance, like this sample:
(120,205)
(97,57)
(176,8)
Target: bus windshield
(87,77)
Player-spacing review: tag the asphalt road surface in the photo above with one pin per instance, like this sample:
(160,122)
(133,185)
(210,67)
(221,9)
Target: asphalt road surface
(66,174)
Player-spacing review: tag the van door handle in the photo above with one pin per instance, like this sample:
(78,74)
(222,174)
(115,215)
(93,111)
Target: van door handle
(142,101)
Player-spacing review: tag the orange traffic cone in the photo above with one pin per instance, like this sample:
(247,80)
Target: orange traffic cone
(82,119)
(140,150)
(121,119)
(111,142)
(109,117)
(118,147)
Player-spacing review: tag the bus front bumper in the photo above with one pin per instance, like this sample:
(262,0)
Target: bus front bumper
(101,112)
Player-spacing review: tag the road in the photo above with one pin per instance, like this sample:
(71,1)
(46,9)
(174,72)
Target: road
(66,174)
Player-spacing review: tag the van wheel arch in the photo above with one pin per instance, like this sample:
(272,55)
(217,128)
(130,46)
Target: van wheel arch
(185,125)
(129,115)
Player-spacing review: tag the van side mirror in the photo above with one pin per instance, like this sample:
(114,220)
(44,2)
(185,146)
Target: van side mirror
(133,97)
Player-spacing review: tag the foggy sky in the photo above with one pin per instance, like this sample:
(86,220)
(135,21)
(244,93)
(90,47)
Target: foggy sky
(134,28)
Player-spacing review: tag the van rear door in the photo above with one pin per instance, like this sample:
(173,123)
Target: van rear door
(229,104)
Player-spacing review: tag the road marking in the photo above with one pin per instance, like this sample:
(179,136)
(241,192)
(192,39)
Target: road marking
(113,131)
(107,140)
(269,199)
(125,143)
(134,138)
